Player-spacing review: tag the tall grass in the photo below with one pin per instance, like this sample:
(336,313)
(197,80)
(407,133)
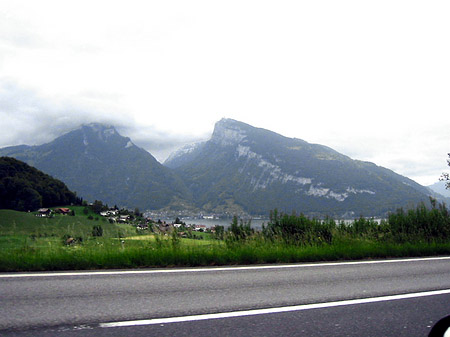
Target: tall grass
(421,224)
(115,254)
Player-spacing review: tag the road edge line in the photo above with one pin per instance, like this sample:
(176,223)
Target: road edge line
(213,269)
(275,310)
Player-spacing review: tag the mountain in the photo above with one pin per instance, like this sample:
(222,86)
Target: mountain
(184,155)
(99,163)
(240,169)
(24,188)
(243,168)
(439,187)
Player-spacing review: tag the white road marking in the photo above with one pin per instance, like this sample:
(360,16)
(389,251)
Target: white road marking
(271,310)
(215,269)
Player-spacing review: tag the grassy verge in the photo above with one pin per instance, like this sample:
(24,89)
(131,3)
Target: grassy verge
(110,253)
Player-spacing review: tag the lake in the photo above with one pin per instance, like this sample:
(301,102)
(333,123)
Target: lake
(255,223)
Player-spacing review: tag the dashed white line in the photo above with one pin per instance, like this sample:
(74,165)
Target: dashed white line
(271,310)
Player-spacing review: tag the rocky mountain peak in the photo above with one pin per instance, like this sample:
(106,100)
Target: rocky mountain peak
(101,131)
(242,166)
(101,135)
(228,132)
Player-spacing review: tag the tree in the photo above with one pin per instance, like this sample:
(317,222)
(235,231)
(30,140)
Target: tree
(446,176)
(179,222)
(98,206)
(97,231)
(240,231)
(137,212)
(219,232)
(24,188)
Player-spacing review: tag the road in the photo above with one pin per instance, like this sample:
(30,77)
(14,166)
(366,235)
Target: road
(402,297)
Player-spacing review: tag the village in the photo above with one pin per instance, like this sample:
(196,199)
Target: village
(141,221)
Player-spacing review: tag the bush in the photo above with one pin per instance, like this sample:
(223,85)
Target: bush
(69,240)
(421,224)
(97,231)
(299,230)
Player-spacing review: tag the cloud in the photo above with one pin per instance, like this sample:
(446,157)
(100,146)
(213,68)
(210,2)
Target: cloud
(31,119)
(28,118)
(160,143)
(164,72)
(416,152)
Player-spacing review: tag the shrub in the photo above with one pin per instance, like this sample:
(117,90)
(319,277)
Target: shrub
(421,224)
(97,231)
(299,229)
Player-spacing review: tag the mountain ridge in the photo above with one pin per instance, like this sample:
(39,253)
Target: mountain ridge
(439,188)
(240,169)
(99,163)
(291,174)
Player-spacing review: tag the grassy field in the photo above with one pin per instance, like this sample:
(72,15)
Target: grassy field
(31,243)
(28,242)
(21,223)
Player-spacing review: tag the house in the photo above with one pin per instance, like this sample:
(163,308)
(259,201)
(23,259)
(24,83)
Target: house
(200,228)
(123,218)
(44,212)
(63,211)
(142,226)
(109,213)
(165,227)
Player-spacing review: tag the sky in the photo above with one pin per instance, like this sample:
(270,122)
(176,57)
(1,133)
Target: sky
(370,79)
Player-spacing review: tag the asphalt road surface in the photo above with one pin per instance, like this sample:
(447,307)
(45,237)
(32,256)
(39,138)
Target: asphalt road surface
(402,297)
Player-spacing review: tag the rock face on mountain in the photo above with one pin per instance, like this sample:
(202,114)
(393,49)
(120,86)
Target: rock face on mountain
(255,170)
(98,163)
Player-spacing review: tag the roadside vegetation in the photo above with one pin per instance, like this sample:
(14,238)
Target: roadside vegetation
(83,239)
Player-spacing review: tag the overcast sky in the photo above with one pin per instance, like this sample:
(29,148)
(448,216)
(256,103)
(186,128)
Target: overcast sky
(370,79)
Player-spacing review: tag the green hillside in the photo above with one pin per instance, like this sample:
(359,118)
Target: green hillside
(14,223)
(24,188)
